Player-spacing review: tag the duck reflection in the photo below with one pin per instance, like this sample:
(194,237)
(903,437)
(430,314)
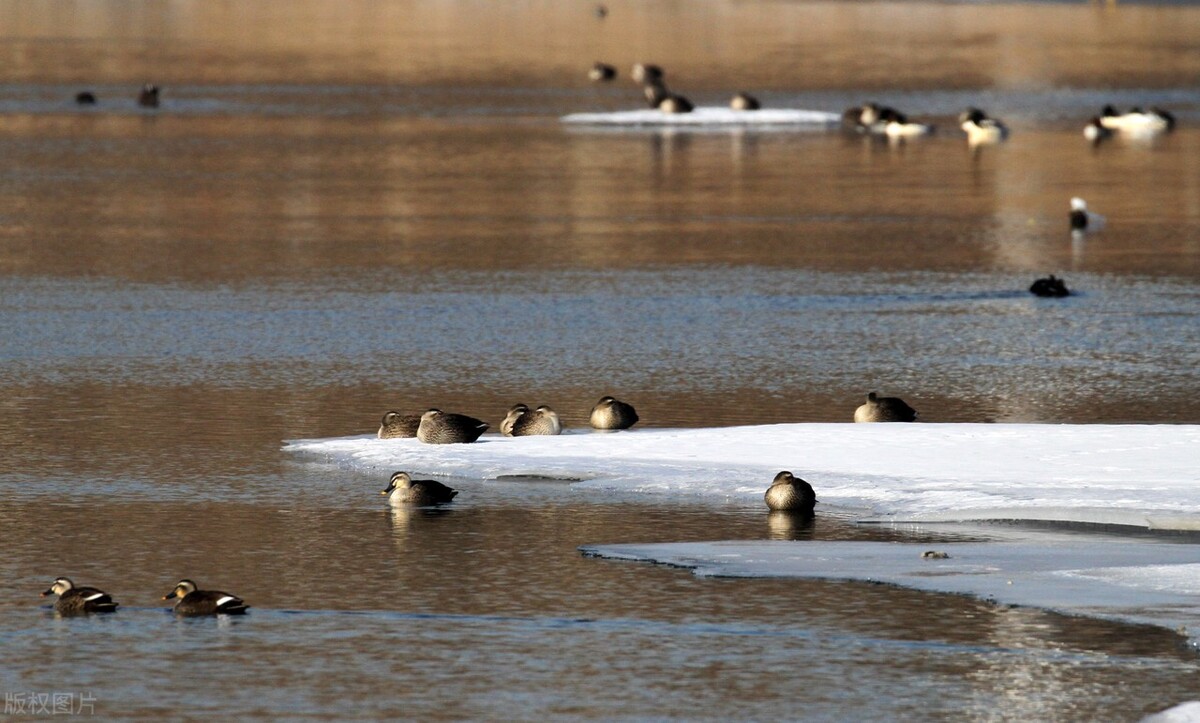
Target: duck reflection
(790,525)
(406,519)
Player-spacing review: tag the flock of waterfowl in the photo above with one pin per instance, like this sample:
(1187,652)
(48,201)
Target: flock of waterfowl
(190,601)
(887,122)
(787,492)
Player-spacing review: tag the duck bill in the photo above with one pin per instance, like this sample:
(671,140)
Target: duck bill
(170,596)
(48,593)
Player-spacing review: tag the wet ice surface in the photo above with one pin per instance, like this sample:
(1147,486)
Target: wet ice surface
(1134,477)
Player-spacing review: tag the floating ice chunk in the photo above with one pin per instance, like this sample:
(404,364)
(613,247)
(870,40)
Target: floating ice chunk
(707,116)
(1111,577)
(1188,712)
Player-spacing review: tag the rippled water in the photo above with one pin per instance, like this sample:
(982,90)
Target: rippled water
(317,227)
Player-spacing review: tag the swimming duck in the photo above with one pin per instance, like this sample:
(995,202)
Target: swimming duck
(1137,120)
(204,602)
(675,103)
(79,600)
(148,96)
(646,73)
(602,72)
(438,427)
(396,425)
(514,413)
(610,413)
(788,492)
(884,409)
(1082,219)
(655,93)
(85,97)
(1050,287)
(541,421)
(1095,131)
(981,129)
(744,101)
(403,488)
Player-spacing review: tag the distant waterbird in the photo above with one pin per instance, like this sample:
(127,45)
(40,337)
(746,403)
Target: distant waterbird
(744,101)
(541,421)
(980,128)
(85,97)
(601,72)
(1082,219)
(148,96)
(1049,287)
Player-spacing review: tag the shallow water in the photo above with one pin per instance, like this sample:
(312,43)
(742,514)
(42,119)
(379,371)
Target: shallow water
(318,227)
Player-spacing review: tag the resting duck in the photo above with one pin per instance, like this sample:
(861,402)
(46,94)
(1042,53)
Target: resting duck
(396,425)
(744,101)
(884,409)
(609,413)
(1137,120)
(788,492)
(541,421)
(438,427)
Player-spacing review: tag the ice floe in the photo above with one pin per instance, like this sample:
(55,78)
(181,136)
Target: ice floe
(1144,476)
(707,116)
(1089,575)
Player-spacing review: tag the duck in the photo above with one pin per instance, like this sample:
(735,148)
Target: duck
(403,488)
(884,409)
(744,101)
(868,118)
(396,425)
(980,128)
(541,421)
(514,413)
(1095,131)
(79,600)
(85,97)
(675,103)
(1049,287)
(148,96)
(655,93)
(788,492)
(610,413)
(193,601)
(897,126)
(1082,219)
(645,73)
(1155,120)
(438,427)
(602,72)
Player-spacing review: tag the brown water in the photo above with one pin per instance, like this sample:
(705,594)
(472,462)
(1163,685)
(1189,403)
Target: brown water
(343,208)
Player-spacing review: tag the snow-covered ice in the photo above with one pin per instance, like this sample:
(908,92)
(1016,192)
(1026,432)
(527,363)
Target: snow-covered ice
(1139,475)
(1124,476)
(707,116)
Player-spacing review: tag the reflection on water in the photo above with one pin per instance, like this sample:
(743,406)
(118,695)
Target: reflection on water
(344,208)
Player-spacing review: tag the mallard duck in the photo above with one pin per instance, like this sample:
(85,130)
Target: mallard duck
(193,601)
(79,600)
(403,488)
(884,409)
